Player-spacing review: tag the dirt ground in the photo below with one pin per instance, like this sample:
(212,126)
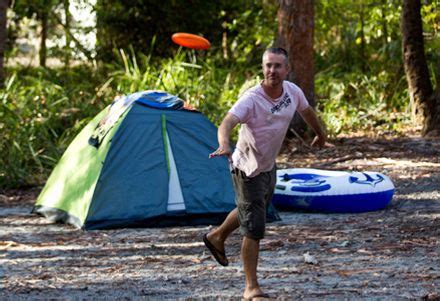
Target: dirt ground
(391,254)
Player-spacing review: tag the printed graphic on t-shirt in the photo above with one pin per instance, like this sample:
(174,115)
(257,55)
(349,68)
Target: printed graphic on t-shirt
(284,103)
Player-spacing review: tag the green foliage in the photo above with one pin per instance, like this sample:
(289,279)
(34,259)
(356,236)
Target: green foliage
(431,25)
(31,8)
(249,29)
(40,112)
(361,82)
(357,102)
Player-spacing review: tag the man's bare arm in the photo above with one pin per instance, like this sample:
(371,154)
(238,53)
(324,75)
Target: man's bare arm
(224,135)
(312,120)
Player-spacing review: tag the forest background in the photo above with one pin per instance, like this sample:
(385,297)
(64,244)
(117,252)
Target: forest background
(58,69)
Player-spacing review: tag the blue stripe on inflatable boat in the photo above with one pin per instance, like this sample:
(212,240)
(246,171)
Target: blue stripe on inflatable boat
(302,176)
(352,203)
(311,188)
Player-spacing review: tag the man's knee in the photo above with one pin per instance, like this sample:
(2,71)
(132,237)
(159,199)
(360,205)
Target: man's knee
(253,229)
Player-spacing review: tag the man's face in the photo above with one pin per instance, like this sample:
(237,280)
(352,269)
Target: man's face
(275,69)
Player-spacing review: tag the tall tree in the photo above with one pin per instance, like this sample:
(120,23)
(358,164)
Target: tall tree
(362,36)
(67,29)
(43,16)
(425,103)
(295,34)
(42,10)
(3,36)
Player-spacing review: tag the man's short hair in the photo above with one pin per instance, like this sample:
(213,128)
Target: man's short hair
(277,50)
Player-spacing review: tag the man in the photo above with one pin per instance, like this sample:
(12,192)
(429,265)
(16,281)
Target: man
(264,112)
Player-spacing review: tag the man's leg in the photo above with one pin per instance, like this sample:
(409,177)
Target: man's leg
(218,236)
(249,254)
(257,196)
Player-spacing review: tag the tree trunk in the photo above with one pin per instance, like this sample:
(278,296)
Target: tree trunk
(362,49)
(432,123)
(3,37)
(43,49)
(425,106)
(295,34)
(72,38)
(66,4)
(384,27)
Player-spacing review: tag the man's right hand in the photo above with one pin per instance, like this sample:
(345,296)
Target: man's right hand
(223,135)
(221,151)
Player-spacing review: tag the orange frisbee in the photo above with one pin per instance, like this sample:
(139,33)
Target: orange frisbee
(190,40)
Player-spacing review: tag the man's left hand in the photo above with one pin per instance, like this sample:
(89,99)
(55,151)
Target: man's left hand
(318,141)
(321,142)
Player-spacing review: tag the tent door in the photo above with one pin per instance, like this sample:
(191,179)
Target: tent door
(175,196)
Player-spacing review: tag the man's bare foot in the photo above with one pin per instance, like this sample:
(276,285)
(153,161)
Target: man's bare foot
(255,294)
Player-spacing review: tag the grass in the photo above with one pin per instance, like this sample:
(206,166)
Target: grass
(358,102)
(41,111)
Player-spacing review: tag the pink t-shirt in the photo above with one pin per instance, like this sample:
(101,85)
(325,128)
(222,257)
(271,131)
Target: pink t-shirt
(264,123)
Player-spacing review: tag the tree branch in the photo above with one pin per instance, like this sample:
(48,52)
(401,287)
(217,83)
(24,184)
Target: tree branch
(85,51)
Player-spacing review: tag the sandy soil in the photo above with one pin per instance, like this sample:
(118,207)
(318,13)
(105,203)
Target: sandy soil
(389,254)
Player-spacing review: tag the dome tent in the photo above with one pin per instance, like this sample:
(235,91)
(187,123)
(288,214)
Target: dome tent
(141,162)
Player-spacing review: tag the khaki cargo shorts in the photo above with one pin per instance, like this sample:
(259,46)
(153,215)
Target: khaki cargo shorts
(252,196)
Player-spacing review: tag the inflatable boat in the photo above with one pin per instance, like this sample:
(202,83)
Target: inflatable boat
(331,191)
